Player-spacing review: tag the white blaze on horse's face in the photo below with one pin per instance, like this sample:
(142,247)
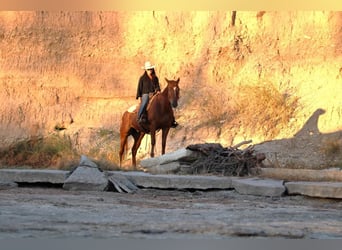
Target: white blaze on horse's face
(173,92)
(174,101)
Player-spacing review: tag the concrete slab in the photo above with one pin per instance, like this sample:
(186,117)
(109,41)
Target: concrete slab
(316,189)
(182,154)
(33,175)
(169,181)
(168,168)
(252,186)
(324,175)
(7,185)
(257,186)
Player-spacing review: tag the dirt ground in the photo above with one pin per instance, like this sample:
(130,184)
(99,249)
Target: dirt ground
(37,212)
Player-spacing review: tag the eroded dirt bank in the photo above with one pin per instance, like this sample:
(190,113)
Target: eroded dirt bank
(261,78)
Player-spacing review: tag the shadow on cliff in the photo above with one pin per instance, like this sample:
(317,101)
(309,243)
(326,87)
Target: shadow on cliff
(308,148)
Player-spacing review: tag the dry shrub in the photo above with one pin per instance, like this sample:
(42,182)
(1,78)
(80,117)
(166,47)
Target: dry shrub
(38,152)
(263,108)
(259,108)
(57,151)
(215,106)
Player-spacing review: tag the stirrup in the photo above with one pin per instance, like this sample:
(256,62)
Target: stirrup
(142,120)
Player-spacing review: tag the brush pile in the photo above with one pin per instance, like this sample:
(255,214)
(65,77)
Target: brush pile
(228,161)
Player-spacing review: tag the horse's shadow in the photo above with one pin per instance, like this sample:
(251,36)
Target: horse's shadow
(308,148)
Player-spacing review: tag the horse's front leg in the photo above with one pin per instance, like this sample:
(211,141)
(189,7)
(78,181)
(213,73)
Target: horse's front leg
(165,132)
(137,141)
(153,142)
(123,143)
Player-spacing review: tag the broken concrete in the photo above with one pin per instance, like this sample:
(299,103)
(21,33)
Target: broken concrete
(167,168)
(86,177)
(179,181)
(331,174)
(7,185)
(87,163)
(33,175)
(121,183)
(315,189)
(182,154)
(90,178)
(257,186)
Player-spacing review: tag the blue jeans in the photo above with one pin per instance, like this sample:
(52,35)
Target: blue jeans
(144,101)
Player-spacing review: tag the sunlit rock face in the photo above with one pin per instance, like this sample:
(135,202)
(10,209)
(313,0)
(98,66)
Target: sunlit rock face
(260,77)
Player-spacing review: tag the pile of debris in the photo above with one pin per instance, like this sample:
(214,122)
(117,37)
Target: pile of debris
(207,158)
(229,161)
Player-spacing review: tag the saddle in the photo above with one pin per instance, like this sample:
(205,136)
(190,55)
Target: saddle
(144,115)
(144,124)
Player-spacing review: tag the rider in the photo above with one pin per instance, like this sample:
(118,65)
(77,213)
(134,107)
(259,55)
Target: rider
(148,85)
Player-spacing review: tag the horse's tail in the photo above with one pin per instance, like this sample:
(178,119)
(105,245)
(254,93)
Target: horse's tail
(124,127)
(126,149)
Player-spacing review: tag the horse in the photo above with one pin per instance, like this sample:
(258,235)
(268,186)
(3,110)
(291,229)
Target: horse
(159,116)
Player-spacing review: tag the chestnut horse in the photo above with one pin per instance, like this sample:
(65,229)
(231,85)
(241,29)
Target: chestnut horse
(159,116)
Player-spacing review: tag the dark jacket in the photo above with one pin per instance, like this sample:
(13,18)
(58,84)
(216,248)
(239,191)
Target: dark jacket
(147,85)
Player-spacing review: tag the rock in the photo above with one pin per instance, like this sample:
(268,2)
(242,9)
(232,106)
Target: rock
(86,177)
(315,189)
(261,187)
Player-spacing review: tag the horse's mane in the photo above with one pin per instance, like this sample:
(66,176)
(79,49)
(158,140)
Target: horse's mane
(163,92)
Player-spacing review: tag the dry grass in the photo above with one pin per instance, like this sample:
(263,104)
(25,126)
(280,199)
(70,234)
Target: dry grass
(57,151)
(39,152)
(262,108)
(54,151)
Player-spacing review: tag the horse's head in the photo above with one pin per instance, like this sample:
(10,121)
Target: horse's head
(173,92)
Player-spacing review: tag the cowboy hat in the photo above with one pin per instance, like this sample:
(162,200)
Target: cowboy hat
(148,65)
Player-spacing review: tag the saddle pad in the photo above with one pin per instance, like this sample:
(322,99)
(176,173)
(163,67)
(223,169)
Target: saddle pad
(132,108)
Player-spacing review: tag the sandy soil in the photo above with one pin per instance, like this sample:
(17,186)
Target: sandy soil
(35,212)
